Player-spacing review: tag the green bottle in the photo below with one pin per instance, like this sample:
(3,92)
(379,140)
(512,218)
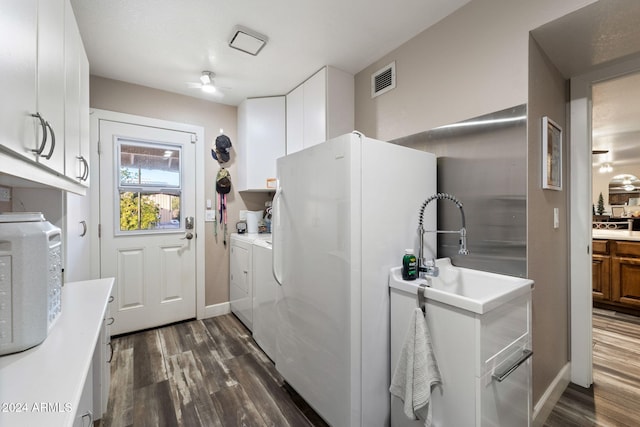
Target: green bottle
(409,265)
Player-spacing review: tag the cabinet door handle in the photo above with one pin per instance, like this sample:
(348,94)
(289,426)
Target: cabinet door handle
(501,376)
(84,228)
(40,149)
(53,142)
(110,352)
(110,321)
(84,167)
(111,298)
(89,415)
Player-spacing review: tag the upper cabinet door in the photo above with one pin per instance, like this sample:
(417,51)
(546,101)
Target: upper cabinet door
(295,115)
(261,140)
(76,102)
(315,109)
(84,117)
(51,16)
(18,53)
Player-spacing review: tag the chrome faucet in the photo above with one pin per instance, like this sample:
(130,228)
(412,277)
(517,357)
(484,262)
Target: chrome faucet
(430,268)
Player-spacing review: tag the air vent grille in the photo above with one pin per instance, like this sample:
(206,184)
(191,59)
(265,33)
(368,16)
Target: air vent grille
(383,80)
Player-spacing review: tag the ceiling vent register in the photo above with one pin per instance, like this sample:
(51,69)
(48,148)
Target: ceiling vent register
(383,80)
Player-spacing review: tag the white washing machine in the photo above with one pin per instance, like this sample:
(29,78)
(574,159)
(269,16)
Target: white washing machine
(265,290)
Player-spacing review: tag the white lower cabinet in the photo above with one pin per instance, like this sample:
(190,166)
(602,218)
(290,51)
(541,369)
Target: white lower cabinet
(59,372)
(84,412)
(102,366)
(484,361)
(240,289)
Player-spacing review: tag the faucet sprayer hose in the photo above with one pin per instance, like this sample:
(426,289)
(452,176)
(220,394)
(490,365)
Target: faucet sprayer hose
(441,196)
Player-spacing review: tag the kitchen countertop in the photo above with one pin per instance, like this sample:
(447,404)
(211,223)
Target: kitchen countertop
(616,235)
(42,386)
(251,237)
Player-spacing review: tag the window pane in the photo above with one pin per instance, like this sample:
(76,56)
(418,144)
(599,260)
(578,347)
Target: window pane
(144,211)
(146,165)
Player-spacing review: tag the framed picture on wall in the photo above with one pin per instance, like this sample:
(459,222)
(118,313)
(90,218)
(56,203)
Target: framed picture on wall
(551,155)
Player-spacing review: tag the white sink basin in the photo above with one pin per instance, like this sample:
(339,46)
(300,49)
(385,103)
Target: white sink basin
(472,290)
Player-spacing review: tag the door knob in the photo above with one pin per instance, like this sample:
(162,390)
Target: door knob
(188,236)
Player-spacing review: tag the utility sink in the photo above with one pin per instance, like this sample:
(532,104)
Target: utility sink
(464,288)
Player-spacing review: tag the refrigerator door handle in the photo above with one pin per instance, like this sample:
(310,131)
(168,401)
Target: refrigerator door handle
(275,245)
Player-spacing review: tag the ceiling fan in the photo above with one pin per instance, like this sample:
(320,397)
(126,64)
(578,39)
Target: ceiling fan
(207,85)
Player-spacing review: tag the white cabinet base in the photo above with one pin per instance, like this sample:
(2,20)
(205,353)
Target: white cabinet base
(469,349)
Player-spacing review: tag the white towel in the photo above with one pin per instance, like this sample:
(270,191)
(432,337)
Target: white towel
(417,371)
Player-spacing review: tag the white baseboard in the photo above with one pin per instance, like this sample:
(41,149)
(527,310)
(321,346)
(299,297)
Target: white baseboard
(216,310)
(550,398)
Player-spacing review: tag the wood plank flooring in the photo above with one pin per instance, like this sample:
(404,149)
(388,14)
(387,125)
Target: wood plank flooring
(614,397)
(200,373)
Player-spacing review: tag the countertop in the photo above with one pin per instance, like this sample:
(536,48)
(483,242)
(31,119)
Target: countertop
(616,235)
(251,237)
(42,386)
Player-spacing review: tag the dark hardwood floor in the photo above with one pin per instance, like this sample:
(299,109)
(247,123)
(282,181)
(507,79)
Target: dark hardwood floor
(212,373)
(199,373)
(614,397)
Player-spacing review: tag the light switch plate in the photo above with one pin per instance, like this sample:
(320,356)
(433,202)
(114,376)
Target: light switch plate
(210,215)
(556,218)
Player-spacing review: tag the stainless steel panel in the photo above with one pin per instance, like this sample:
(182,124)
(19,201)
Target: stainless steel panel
(482,161)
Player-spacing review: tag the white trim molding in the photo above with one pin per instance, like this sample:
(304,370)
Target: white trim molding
(216,310)
(550,398)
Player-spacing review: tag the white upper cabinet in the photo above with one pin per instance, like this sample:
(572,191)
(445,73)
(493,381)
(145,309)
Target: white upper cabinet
(35,64)
(51,82)
(18,56)
(321,108)
(76,103)
(261,140)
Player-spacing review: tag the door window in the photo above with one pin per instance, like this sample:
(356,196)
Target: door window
(149,187)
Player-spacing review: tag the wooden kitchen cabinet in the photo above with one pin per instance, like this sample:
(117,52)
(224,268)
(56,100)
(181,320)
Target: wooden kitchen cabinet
(320,108)
(601,271)
(616,275)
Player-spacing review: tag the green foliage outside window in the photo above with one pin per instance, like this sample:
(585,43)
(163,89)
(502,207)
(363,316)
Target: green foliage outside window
(137,212)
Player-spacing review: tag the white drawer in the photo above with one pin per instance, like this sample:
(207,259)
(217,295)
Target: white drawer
(503,331)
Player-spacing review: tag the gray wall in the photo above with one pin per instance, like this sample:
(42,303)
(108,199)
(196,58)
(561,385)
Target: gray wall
(547,248)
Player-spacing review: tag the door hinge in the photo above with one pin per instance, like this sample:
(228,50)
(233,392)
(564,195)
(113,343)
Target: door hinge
(194,138)
(99,231)
(99,148)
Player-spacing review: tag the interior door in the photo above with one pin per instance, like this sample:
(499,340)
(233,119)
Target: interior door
(147,203)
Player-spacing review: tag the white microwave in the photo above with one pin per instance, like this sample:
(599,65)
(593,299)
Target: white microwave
(30,280)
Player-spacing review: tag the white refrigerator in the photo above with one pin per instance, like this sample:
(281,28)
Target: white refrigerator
(345,211)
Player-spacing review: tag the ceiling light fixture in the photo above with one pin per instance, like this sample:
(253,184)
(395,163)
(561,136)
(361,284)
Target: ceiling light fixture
(205,78)
(207,82)
(246,40)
